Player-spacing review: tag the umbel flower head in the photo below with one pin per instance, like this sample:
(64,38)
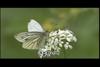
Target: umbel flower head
(56,41)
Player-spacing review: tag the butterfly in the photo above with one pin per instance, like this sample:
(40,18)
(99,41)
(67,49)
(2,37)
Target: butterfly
(35,38)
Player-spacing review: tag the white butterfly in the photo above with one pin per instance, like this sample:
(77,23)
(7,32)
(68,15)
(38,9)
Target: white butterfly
(35,38)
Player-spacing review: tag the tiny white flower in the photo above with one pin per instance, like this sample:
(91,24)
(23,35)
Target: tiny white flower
(62,42)
(66,46)
(60,32)
(52,38)
(50,35)
(52,41)
(68,32)
(40,53)
(56,41)
(67,43)
(75,39)
(47,47)
(54,33)
(60,45)
(69,38)
(62,36)
(70,46)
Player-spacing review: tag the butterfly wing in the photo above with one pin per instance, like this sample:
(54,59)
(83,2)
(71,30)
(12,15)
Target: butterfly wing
(35,42)
(22,37)
(34,26)
(32,43)
(31,40)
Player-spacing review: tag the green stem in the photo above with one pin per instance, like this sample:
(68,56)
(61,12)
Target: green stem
(63,52)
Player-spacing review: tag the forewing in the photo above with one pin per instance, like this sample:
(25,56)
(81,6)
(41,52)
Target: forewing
(34,26)
(22,37)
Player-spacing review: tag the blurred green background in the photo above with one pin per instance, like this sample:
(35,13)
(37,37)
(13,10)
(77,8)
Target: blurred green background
(84,22)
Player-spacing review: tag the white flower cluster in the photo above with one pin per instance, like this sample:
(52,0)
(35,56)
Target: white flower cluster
(57,40)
